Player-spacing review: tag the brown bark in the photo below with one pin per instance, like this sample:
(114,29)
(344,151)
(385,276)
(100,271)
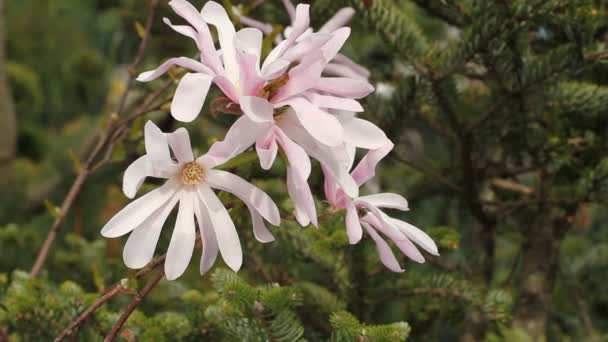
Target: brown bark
(537,273)
(8,124)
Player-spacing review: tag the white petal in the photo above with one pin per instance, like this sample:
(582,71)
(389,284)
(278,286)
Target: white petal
(257,108)
(183,238)
(247,192)
(275,69)
(267,152)
(331,49)
(225,232)
(386,200)
(296,156)
(416,235)
(214,14)
(353,226)
(157,147)
(409,249)
(384,250)
(137,172)
(363,134)
(261,233)
(210,247)
(184,62)
(324,127)
(339,19)
(140,246)
(303,202)
(186,30)
(139,210)
(334,102)
(190,96)
(249,40)
(242,134)
(179,141)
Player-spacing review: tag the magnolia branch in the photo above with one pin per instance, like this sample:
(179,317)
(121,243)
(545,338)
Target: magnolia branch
(104,141)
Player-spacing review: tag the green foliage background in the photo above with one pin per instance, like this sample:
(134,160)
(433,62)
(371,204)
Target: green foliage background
(482,91)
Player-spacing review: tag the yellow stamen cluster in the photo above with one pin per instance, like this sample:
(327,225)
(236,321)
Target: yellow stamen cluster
(192,173)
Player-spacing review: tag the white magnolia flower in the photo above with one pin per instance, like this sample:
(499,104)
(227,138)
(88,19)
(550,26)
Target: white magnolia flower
(190,182)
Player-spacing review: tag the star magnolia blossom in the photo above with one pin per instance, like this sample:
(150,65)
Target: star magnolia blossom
(286,102)
(364,212)
(189,182)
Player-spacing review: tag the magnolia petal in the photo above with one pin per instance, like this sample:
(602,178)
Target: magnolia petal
(384,250)
(249,40)
(300,25)
(140,246)
(409,249)
(291,10)
(138,211)
(157,147)
(250,79)
(296,156)
(363,134)
(225,232)
(308,45)
(185,30)
(136,173)
(183,238)
(301,78)
(334,102)
(275,69)
(335,159)
(366,169)
(380,221)
(215,14)
(345,87)
(353,226)
(360,70)
(227,87)
(339,19)
(209,240)
(300,193)
(417,235)
(183,62)
(205,41)
(386,200)
(324,127)
(252,196)
(329,186)
(257,108)
(242,134)
(190,96)
(333,46)
(261,233)
(267,150)
(342,70)
(179,141)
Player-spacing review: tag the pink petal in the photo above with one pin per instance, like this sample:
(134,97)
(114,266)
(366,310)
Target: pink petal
(291,10)
(308,45)
(341,18)
(330,186)
(205,41)
(333,46)
(345,87)
(384,250)
(300,193)
(362,71)
(227,87)
(417,235)
(301,78)
(366,169)
(190,96)
(137,172)
(257,108)
(386,200)
(353,226)
(342,70)
(324,127)
(157,148)
(184,62)
(215,14)
(267,150)
(185,30)
(409,249)
(296,156)
(334,102)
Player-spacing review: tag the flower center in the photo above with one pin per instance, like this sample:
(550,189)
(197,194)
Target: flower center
(192,173)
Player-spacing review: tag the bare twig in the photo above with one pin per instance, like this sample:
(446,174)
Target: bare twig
(133,305)
(104,140)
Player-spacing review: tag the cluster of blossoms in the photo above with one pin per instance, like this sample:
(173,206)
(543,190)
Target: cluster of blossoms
(288,102)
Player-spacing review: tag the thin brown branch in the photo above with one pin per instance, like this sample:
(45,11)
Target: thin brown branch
(139,297)
(104,139)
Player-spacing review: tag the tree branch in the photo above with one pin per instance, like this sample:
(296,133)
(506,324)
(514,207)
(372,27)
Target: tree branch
(104,140)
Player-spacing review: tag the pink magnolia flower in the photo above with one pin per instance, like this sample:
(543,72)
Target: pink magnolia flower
(364,212)
(286,102)
(189,182)
(341,64)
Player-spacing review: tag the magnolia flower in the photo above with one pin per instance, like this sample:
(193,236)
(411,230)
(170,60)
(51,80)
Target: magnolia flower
(364,212)
(284,100)
(190,182)
(341,65)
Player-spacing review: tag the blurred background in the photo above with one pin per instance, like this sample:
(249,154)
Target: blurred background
(498,110)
